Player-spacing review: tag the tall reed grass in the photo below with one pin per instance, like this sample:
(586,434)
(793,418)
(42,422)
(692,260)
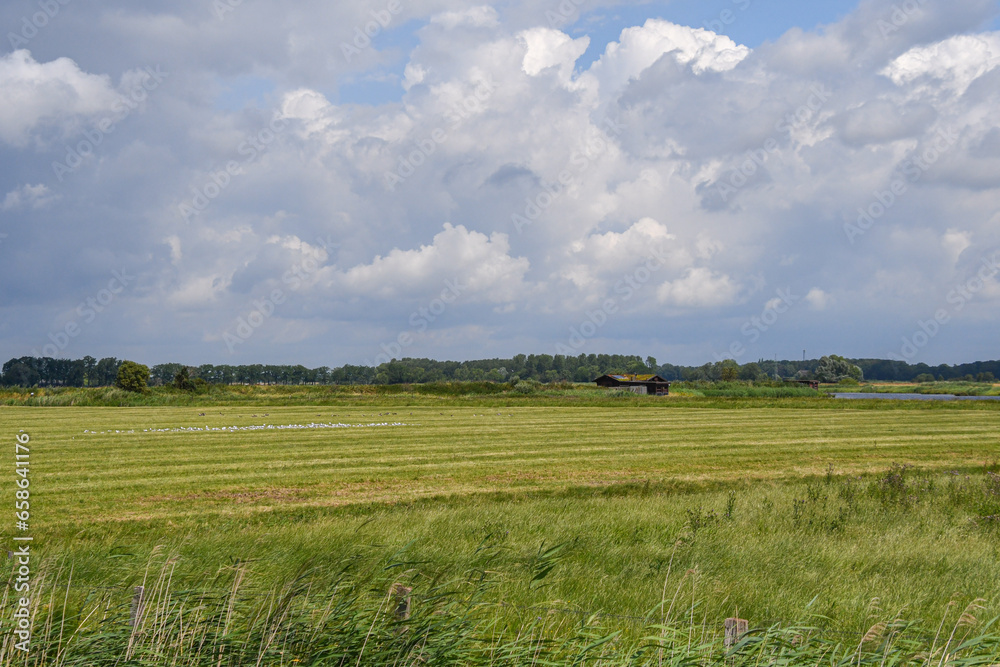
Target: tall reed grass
(227,620)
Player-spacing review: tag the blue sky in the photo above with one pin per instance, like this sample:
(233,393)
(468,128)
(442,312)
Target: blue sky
(176,185)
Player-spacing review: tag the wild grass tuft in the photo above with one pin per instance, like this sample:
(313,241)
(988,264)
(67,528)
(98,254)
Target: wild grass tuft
(229,620)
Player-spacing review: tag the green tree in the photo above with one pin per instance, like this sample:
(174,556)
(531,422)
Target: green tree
(19,373)
(495,375)
(89,366)
(834,369)
(105,372)
(638,368)
(132,377)
(77,374)
(182,380)
(752,371)
(728,370)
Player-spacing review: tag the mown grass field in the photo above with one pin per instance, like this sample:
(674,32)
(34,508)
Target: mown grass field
(780,514)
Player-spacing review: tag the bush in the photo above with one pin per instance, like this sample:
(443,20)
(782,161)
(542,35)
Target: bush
(133,377)
(924,378)
(525,387)
(476,388)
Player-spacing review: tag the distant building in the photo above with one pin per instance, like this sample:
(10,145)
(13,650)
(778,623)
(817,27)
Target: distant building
(652,385)
(812,384)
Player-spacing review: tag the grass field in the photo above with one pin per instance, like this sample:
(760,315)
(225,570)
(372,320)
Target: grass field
(778,512)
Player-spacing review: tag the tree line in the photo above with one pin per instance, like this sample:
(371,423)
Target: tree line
(91,372)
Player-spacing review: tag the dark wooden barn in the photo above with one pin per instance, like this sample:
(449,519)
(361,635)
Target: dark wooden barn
(653,385)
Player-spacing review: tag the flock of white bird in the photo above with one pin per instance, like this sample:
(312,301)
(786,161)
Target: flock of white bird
(255,427)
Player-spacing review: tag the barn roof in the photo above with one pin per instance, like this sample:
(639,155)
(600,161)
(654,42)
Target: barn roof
(637,378)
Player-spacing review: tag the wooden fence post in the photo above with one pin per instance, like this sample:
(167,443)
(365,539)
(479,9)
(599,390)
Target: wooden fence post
(735,628)
(401,599)
(135,611)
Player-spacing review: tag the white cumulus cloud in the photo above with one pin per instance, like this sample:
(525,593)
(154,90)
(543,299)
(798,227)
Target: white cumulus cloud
(552,48)
(954,63)
(817,299)
(641,46)
(480,263)
(700,288)
(482,16)
(53,93)
(28,196)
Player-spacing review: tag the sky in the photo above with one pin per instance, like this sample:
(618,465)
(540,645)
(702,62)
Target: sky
(242,181)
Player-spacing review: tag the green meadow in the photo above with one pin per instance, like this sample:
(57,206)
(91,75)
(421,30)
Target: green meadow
(530,529)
